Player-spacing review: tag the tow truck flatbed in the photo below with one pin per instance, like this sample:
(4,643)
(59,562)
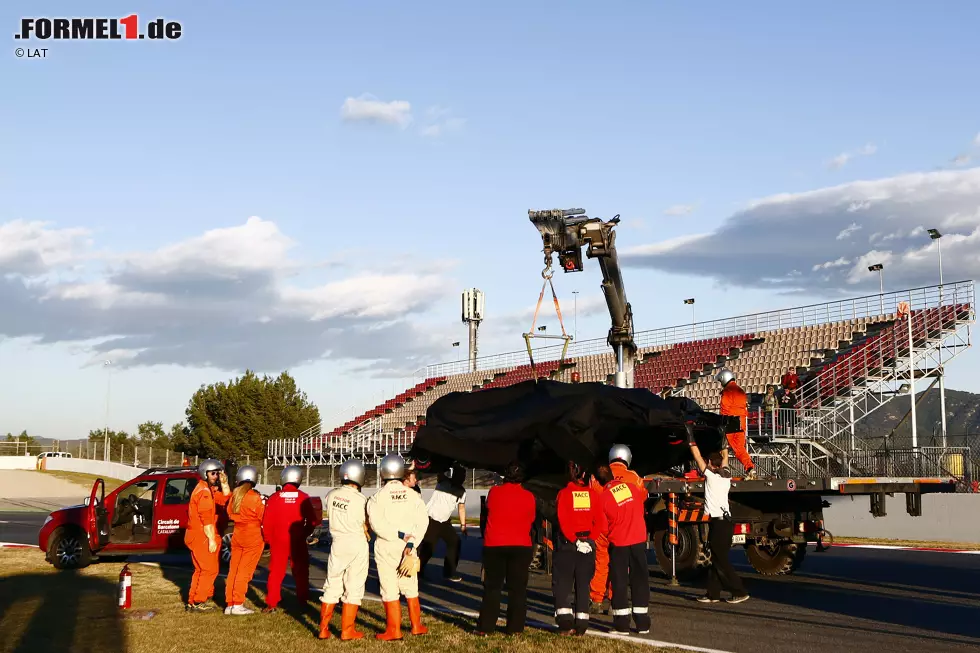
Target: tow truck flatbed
(822,485)
(775,518)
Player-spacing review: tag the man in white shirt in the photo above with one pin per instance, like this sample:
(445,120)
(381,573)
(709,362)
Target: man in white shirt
(717,484)
(449,495)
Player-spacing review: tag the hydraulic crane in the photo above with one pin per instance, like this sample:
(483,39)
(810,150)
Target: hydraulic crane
(565,231)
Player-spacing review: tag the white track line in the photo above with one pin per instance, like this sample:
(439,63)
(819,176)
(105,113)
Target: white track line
(890,547)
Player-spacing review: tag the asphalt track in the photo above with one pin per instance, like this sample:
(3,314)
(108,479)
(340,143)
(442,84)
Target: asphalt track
(845,599)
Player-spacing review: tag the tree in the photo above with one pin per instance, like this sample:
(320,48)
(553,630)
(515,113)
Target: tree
(116,438)
(235,419)
(178,437)
(151,434)
(23,437)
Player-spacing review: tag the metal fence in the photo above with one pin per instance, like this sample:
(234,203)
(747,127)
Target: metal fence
(960,292)
(127,454)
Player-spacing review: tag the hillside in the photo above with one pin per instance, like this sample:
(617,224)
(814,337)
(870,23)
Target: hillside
(962,419)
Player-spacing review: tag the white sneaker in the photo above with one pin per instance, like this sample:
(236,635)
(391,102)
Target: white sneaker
(229,609)
(240,610)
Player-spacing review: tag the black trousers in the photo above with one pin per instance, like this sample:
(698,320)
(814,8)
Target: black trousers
(433,534)
(500,564)
(629,573)
(721,574)
(570,577)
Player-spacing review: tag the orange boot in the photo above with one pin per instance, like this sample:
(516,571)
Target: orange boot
(393,613)
(415,614)
(348,617)
(326,612)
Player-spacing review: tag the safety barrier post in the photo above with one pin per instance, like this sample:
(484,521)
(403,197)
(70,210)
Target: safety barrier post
(672,511)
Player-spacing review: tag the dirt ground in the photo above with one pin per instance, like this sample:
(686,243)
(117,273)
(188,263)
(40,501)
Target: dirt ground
(21,484)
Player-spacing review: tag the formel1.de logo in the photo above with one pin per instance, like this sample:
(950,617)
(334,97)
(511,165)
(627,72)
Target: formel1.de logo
(98,29)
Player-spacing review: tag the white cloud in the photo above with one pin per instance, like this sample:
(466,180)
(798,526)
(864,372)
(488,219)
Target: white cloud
(368,108)
(680,209)
(831,264)
(850,229)
(812,231)
(962,160)
(440,121)
(226,298)
(32,248)
(844,158)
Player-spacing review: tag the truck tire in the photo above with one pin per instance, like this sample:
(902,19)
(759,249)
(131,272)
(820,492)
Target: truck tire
(225,551)
(690,553)
(777,558)
(68,549)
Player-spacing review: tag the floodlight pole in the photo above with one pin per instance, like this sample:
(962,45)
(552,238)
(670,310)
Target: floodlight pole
(108,388)
(942,372)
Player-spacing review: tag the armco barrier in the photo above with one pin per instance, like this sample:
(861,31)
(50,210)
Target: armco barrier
(18,462)
(945,518)
(96,467)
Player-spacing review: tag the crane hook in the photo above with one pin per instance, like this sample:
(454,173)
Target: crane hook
(547,272)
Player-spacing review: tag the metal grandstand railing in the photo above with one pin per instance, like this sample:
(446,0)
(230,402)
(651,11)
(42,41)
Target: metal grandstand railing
(366,441)
(868,306)
(878,367)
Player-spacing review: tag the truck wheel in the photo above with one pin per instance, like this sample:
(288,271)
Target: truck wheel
(775,558)
(68,549)
(688,551)
(225,551)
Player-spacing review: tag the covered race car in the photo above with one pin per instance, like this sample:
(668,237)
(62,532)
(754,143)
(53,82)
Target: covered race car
(547,423)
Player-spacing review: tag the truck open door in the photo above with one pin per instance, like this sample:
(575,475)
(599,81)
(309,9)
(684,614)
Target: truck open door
(98,517)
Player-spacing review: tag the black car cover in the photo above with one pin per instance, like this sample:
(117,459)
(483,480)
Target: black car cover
(546,423)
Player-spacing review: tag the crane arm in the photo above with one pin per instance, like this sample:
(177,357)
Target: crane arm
(565,231)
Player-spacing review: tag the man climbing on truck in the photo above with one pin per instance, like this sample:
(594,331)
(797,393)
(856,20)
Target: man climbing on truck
(734,403)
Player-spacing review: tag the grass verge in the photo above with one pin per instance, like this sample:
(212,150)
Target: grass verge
(85,480)
(43,610)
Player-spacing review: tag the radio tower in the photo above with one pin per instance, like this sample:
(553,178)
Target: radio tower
(473,307)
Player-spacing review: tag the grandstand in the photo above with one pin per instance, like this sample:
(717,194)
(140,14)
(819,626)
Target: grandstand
(852,356)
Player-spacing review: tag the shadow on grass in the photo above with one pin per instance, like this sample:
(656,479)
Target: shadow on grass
(59,613)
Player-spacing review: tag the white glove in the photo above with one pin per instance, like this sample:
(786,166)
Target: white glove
(583,547)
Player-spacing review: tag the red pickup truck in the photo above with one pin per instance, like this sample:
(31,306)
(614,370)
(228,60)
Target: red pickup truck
(144,516)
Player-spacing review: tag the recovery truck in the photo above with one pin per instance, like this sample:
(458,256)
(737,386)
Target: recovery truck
(775,518)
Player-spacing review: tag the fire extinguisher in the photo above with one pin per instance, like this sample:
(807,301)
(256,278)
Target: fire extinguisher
(125,588)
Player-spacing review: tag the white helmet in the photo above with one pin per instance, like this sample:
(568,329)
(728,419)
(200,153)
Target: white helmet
(724,376)
(247,474)
(209,465)
(621,453)
(353,470)
(392,467)
(291,474)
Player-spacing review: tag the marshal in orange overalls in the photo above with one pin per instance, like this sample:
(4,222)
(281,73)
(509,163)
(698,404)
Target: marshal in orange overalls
(735,403)
(246,547)
(599,588)
(202,512)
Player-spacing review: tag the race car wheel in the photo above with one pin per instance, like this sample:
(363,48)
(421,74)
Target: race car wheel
(775,558)
(68,549)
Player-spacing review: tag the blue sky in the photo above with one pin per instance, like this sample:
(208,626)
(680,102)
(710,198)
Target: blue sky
(629,108)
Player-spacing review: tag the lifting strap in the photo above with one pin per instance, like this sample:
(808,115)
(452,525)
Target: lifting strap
(546,274)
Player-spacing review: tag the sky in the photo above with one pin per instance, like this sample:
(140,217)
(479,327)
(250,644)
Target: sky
(310,186)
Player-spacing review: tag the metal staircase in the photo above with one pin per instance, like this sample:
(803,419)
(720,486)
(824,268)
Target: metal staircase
(875,368)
